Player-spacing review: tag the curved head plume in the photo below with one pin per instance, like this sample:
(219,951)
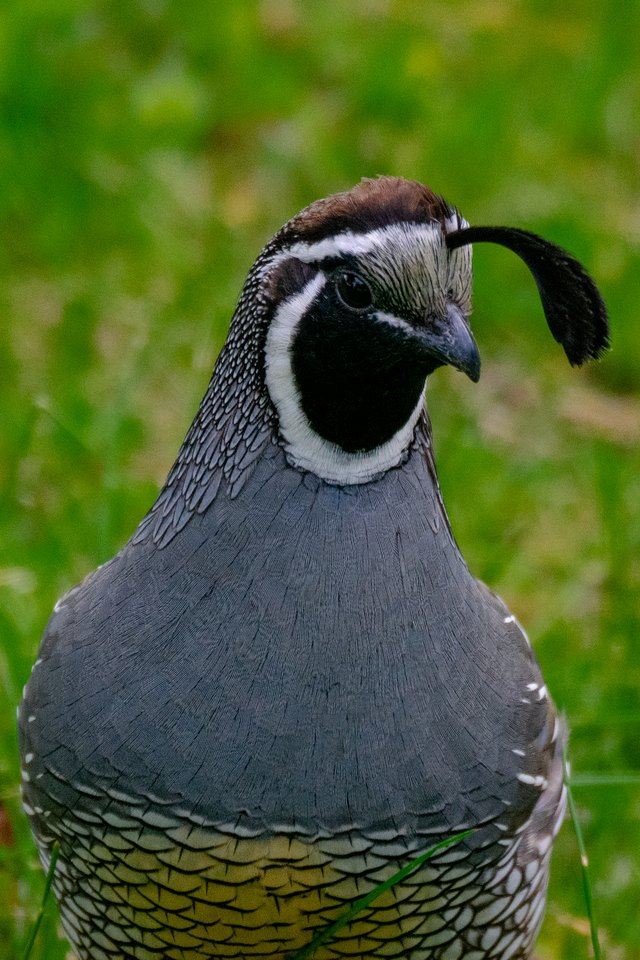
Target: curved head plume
(575,311)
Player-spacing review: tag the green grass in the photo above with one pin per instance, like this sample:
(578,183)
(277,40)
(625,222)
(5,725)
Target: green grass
(147,150)
(584,858)
(48,883)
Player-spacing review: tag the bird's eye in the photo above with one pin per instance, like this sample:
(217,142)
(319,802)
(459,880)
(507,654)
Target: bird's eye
(354,291)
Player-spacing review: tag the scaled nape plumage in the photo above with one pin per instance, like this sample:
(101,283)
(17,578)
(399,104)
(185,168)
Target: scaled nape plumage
(287,684)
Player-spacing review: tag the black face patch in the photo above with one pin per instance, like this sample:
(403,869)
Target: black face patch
(359,379)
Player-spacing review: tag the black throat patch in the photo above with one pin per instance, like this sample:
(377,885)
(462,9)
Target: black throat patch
(358,378)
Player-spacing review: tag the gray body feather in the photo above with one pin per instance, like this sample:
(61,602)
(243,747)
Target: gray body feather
(302,647)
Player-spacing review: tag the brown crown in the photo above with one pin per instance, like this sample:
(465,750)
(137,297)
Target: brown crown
(369,205)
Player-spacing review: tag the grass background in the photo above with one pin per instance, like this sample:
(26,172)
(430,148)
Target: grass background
(148,149)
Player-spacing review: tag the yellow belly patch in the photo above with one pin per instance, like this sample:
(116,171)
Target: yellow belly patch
(148,886)
(190,893)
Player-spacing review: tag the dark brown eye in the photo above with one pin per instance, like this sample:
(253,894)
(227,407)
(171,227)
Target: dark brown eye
(354,292)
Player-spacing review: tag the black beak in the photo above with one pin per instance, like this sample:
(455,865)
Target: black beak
(450,341)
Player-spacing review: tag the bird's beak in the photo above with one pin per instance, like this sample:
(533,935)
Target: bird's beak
(450,341)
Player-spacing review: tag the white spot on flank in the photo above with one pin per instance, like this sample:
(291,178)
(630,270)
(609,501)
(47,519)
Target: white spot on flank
(543,844)
(306,448)
(518,752)
(513,619)
(28,758)
(533,780)
(25,776)
(542,692)
(31,718)
(532,686)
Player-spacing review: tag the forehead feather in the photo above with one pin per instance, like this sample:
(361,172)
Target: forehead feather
(413,266)
(369,205)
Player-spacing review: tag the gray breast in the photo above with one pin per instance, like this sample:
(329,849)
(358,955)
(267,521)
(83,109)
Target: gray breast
(304,654)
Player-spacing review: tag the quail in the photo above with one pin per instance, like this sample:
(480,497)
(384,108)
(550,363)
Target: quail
(288,685)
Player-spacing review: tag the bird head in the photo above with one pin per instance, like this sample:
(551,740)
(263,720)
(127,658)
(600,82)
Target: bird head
(369,293)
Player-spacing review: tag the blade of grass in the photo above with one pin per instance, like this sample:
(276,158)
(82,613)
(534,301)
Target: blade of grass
(45,896)
(326,933)
(584,859)
(42,406)
(605,779)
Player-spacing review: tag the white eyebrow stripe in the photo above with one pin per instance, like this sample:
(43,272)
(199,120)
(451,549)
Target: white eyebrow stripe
(358,244)
(343,243)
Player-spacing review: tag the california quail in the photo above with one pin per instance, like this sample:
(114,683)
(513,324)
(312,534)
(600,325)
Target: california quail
(288,684)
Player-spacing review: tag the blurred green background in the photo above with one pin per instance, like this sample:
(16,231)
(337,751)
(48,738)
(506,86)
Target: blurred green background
(149,148)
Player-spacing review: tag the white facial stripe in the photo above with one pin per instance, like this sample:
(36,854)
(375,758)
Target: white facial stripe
(343,243)
(279,373)
(356,244)
(392,321)
(306,448)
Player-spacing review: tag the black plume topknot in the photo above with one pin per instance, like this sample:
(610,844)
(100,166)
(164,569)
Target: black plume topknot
(575,311)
